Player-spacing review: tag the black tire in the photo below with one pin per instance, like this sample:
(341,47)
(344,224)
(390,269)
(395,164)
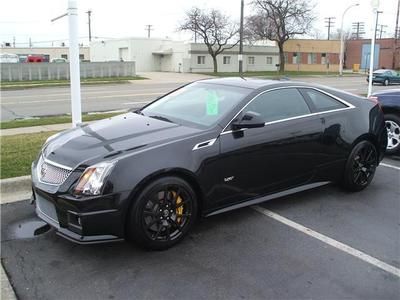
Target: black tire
(393,128)
(163,213)
(360,166)
(386,82)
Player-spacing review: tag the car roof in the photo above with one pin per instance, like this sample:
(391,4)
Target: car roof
(382,70)
(387,92)
(250,83)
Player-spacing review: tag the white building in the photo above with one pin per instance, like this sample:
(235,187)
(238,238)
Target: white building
(152,54)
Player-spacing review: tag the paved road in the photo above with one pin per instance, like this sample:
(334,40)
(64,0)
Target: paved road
(237,255)
(52,101)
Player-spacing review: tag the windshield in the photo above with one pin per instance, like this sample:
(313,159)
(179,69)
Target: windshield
(199,103)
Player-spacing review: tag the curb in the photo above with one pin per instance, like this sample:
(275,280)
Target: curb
(15,189)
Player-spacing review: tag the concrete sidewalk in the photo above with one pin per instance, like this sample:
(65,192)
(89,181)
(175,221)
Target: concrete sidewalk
(34,129)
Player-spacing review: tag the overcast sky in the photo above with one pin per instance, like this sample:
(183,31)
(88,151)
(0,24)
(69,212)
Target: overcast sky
(24,19)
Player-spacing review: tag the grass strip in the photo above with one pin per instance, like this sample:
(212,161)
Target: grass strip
(53,120)
(18,152)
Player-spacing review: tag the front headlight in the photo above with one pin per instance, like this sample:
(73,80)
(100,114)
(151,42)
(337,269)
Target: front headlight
(93,178)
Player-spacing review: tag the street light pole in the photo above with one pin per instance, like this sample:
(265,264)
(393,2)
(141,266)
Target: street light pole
(74,69)
(241,39)
(372,52)
(341,56)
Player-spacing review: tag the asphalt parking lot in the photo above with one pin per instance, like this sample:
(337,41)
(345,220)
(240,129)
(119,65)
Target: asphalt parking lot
(320,244)
(28,103)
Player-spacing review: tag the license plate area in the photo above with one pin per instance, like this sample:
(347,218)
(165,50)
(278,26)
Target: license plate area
(46,210)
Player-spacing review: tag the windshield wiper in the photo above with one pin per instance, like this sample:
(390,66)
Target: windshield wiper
(161,118)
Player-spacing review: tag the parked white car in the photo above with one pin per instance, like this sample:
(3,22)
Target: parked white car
(9,58)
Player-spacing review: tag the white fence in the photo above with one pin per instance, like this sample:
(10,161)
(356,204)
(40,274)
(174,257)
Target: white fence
(57,71)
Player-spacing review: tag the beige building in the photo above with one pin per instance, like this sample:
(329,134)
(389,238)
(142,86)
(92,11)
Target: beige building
(47,52)
(312,55)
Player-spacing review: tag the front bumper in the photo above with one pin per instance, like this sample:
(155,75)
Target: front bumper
(85,221)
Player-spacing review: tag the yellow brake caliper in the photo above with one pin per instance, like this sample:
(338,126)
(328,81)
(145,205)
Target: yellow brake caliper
(179,210)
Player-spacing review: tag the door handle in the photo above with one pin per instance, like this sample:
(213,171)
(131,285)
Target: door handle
(323,121)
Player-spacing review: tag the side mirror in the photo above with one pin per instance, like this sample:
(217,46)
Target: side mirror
(250,119)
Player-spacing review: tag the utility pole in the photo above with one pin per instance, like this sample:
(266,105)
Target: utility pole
(195,26)
(381,30)
(376,24)
(330,23)
(358,29)
(241,38)
(89,12)
(30,43)
(13,41)
(149,28)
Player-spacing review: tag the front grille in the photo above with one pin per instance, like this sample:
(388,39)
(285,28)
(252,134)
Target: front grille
(48,172)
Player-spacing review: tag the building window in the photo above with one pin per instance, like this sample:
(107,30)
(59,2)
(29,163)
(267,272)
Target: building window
(64,56)
(286,57)
(81,56)
(269,60)
(312,58)
(227,60)
(250,60)
(296,58)
(201,60)
(323,58)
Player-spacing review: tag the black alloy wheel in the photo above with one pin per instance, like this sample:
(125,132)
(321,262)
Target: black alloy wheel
(360,166)
(163,213)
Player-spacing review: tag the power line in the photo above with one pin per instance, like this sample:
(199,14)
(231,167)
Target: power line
(149,28)
(330,23)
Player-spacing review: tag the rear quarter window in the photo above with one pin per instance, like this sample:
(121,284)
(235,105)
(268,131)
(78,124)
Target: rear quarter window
(320,102)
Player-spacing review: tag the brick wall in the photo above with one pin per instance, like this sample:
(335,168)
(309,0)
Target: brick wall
(354,51)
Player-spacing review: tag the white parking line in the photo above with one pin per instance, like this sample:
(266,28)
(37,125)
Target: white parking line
(327,240)
(389,166)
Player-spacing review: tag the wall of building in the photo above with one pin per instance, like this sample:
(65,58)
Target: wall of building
(51,52)
(147,53)
(312,55)
(177,56)
(256,54)
(386,49)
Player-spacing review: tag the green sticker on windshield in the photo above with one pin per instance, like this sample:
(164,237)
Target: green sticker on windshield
(212,103)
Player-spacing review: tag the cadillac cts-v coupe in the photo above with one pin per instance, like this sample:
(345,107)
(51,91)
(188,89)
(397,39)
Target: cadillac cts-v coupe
(206,148)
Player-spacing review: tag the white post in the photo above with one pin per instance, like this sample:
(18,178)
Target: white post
(74,70)
(371,56)
(341,56)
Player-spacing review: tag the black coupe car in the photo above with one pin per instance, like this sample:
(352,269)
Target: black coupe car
(206,148)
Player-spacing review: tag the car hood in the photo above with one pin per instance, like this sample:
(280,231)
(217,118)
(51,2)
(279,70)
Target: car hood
(106,139)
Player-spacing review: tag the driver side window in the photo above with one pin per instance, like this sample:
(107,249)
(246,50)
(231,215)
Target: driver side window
(279,104)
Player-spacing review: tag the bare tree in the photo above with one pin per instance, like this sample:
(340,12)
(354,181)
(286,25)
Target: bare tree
(280,20)
(215,29)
